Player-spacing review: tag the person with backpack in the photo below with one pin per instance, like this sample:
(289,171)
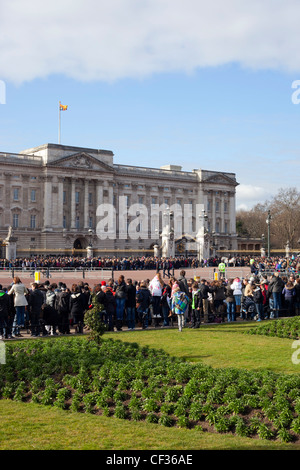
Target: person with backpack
(180,304)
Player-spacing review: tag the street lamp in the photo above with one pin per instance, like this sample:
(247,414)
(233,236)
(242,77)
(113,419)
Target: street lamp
(268,221)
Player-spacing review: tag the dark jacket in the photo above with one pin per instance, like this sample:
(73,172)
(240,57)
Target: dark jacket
(35,301)
(4,304)
(229,297)
(258,295)
(121,291)
(183,285)
(196,299)
(131,293)
(143,299)
(62,302)
(76,303)
(205,289)
(110,302)
(276,284)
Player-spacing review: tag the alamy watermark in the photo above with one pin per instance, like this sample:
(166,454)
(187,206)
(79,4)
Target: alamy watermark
(2,353)
(2,92)
(138,221)
(296,354)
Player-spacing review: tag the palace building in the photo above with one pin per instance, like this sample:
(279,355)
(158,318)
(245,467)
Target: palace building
(49,196)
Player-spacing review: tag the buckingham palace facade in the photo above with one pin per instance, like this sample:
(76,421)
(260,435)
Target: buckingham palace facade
(50,196)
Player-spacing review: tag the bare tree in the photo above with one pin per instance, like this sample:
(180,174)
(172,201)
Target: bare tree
(285,221)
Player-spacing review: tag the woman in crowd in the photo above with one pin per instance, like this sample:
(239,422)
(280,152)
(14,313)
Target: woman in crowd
(19,291)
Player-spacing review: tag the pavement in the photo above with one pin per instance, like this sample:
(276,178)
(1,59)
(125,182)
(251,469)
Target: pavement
(95,277)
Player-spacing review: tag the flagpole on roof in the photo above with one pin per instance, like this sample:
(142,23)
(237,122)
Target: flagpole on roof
(59,111)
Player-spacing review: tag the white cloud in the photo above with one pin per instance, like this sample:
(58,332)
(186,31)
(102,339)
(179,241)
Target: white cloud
(109,40)
(248,195)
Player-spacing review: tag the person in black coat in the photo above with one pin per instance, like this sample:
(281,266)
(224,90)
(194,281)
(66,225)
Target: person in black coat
(130,304)
(143,300)
(4,312)
(35,302)
(62,306)
(77,308)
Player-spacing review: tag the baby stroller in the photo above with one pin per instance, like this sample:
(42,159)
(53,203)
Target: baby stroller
(248,308)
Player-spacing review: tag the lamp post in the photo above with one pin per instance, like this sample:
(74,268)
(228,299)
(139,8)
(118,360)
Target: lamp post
(268,221)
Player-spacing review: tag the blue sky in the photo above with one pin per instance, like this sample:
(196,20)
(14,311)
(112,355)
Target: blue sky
(155,102)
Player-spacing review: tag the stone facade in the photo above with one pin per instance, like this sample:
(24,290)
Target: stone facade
(50,195)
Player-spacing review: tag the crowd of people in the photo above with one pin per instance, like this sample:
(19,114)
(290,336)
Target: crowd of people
(51,309)
(262,264)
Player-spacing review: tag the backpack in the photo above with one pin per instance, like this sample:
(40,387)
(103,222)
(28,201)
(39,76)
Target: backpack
(182,302)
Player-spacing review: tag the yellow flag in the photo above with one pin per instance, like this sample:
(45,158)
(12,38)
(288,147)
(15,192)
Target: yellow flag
(63,107)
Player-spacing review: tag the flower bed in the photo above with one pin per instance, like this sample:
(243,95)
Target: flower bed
(125,381)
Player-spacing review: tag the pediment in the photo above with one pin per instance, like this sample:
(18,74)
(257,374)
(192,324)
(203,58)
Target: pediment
(221,179)
(81,161)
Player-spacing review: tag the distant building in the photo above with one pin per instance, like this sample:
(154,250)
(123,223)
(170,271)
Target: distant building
(50,195)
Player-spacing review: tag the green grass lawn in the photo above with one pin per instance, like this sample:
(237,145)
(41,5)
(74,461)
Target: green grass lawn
(222,345)
(31,426)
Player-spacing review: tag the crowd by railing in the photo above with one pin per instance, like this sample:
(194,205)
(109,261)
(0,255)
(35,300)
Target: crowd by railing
(49,308)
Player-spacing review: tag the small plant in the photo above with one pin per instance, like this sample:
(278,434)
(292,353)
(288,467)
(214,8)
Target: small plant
(152,418)
(20,392)
(88,402)
(222,425)
(264,432)
(241,429)
(183,422)
(150,405)
(62,395)
(167,408)
(76,402)
(284,435)
(136,415)
(120,411)
(165,420)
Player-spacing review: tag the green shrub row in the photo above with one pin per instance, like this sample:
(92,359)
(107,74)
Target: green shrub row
(126,381)
(281,328)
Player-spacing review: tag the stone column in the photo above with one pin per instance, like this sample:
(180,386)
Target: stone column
(73,204)
(86,204)
(60,211)
(213,211)
(47,203)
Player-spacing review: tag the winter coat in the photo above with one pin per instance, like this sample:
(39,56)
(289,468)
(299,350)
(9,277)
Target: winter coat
(236,286)
(131,293)
(4,304)
(143,299)
(35,301)
(121,291)
(182,282)
(110,302)
(50,298)
(229,297)
(205,290)
(196,299)
(288,292)
(19,291)
(155,287)
(258,295)
(76,303)
(62,302)
(276,284)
